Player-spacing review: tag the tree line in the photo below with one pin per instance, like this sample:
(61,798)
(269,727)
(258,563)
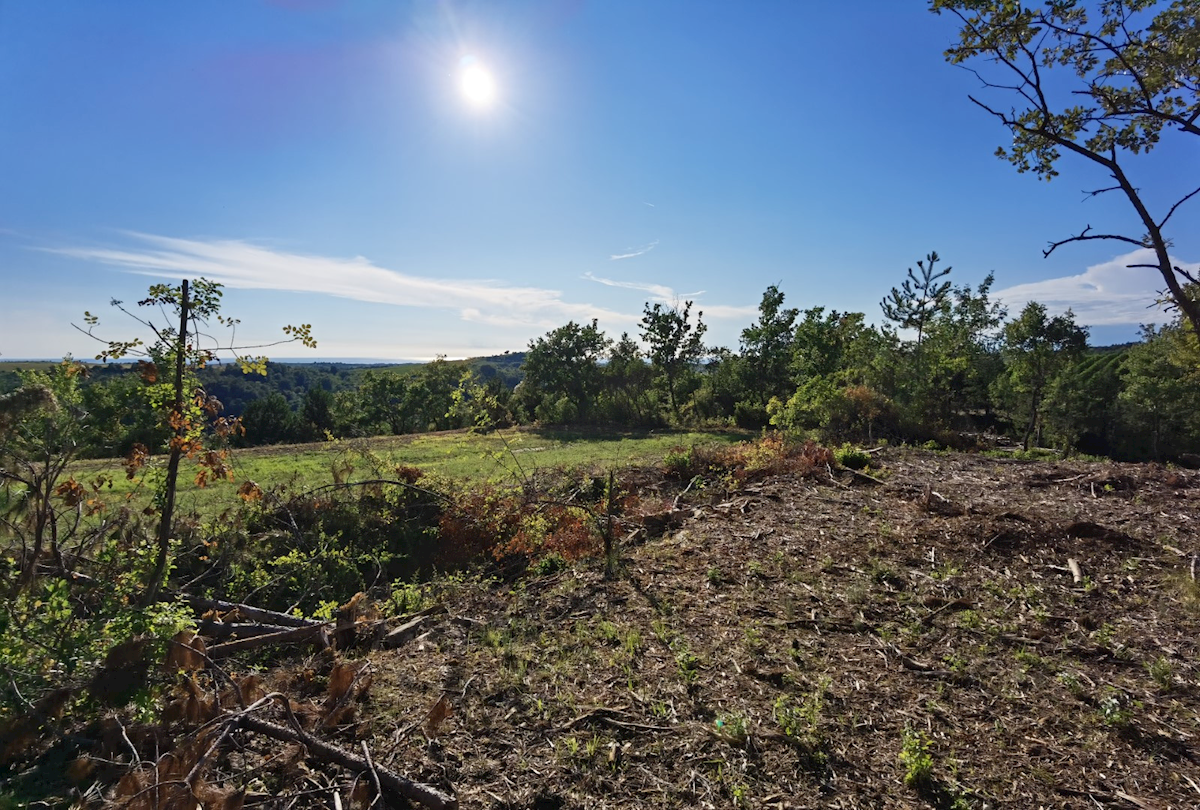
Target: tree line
(947,365)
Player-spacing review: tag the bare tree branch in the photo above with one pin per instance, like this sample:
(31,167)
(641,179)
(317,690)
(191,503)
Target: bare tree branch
(1176,205)
(1084,236)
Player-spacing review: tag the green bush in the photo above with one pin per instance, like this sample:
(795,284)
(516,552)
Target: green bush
(852,457)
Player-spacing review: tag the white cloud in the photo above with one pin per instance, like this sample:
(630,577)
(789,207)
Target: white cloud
(657,292)
(1107,294)
(240,264)
(644,249)
(662,294)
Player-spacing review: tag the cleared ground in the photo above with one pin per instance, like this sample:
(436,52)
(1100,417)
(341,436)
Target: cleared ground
(952,631)
(806,644)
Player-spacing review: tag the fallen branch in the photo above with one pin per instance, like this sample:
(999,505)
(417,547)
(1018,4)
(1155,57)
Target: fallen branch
(319,749)
(1076,570)
(957,604)
(219,631)
(252,613)
(862,474)
(404,633)
(286,637)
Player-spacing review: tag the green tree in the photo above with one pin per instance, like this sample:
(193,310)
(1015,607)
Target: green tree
(316,416)
(430,398)
(41,424)
(1081,405)
(271,420)
(565,364)
(919,299)
(767,348)
(676,346)
(829,343)
(1160,398)
(119,417)
(959,358)
(382,404)
(628,381)
(182,345)
(842,372)
(1036,349)
(1102,83)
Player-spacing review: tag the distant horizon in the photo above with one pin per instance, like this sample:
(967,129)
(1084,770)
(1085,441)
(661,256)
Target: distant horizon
(369,361)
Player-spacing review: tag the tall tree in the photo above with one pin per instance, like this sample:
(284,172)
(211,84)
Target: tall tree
(676,346)
(767,346)
(959,357)
(565,363)
(1100,82)
(627,383)
(1036,350)
(1160,399)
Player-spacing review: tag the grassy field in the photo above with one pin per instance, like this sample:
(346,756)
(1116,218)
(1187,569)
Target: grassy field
(511,454)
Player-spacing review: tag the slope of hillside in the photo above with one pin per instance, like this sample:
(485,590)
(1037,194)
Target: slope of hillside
(846,644)
(946,631)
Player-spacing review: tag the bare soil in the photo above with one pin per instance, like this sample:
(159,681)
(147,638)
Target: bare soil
(827,621)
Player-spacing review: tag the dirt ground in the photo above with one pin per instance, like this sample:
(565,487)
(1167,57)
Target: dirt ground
(947,630)
(812,644)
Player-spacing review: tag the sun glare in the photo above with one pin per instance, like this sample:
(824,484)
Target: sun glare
(477,85)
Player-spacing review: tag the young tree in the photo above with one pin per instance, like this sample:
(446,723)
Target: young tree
(919,299)
(1102,83)
(676,346)
(168,367)
(41,427)
(1036,350)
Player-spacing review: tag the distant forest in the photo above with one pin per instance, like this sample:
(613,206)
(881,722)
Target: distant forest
(949,367)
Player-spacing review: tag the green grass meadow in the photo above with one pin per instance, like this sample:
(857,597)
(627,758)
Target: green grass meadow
(504,455)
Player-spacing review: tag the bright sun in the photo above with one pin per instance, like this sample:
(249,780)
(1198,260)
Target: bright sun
(477,85)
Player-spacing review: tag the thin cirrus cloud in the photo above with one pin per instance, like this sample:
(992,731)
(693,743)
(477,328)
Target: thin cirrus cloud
(634,252)
(1107,294)
(241,264)
(662,294)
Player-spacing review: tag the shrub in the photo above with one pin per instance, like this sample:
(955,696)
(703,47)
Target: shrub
(852,457)
(916,759)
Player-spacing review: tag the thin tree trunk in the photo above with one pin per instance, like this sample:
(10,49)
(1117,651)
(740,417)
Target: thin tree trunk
(180,431)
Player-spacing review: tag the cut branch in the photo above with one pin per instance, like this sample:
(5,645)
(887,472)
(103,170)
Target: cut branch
(319,749)
(252,613)
(287,637)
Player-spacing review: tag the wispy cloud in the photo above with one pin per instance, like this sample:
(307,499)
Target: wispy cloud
(649,204)
(662,294)
(644,249)
(241,264)
(657,292)
(1106,294)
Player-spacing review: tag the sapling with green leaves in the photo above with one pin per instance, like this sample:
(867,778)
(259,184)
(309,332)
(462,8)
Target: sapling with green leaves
(182,345)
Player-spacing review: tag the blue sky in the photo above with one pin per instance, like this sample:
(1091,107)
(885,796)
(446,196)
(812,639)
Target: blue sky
(321,160)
